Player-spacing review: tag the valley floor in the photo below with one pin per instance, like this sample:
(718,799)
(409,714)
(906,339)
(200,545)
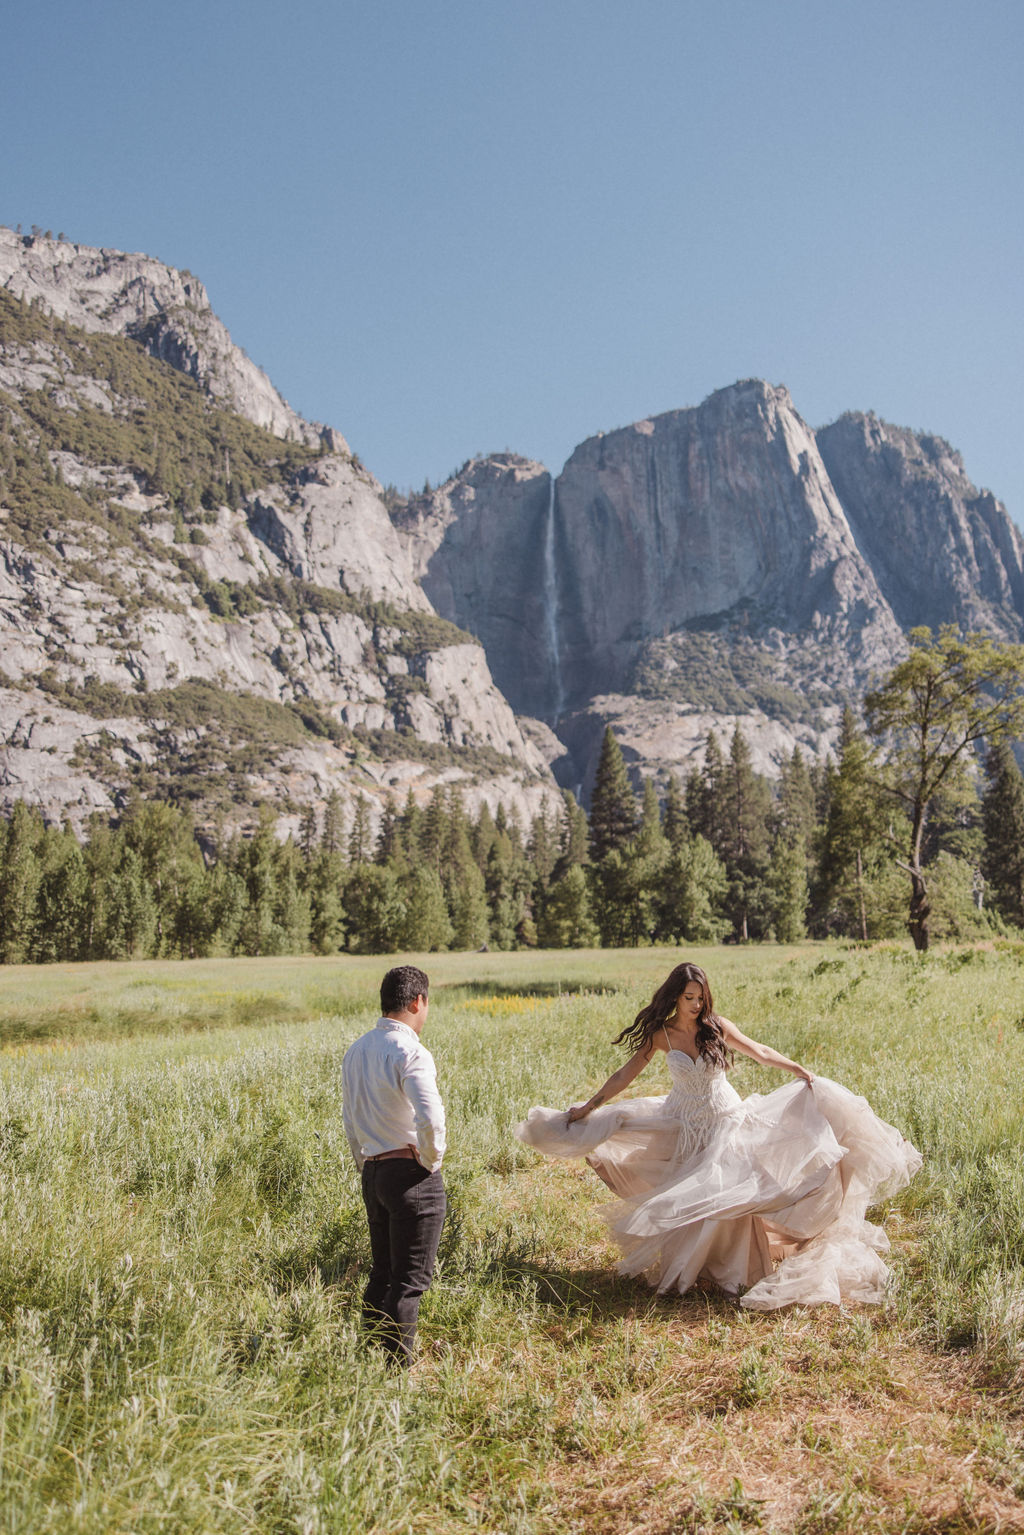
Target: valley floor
(182,1243)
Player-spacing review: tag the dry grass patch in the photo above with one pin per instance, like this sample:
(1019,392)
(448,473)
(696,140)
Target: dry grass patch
(804,1425)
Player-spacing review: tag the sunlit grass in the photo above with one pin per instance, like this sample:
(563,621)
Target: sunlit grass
(181,1247)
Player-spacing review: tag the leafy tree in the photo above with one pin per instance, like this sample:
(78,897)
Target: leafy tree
(131,909)
(60,898)
(934,708)
(613,818)
(19,882)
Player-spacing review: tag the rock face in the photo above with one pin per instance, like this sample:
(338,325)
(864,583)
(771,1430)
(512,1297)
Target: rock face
(715,566)
(166,311)
(258,616)
(699,514)
(482,546)
(905,494)
(269,647)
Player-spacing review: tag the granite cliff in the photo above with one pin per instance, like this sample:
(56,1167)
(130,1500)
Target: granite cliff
(202,595)
(713,566)
(205,596)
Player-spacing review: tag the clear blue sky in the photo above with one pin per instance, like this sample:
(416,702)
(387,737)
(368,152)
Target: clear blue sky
(457,227)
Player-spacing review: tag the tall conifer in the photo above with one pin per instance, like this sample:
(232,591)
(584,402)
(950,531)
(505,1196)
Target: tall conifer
(1003,823)
(613,815)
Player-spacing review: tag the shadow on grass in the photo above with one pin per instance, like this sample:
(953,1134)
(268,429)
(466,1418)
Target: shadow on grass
(600,1293)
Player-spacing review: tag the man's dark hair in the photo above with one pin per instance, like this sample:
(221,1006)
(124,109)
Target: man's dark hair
(400,988)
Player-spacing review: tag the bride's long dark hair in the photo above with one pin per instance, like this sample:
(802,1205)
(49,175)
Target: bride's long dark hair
(710,1038)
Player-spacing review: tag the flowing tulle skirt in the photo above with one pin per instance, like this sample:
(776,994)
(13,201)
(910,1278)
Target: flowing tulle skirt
(773,1203)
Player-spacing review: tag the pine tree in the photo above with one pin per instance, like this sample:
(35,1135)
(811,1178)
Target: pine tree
(359,837)
(565,920)
(786,890)
(324,884)
(1003,825)
(375,909)
(483,835)
(574,836)
(745,803)
(676,825)
(390,846)
(434,830)
(794,817)
(855,846)
(691,898)
(651,841)
(332,836)
(468,905)
(426,926)
(613,815)
(542,850)
(308,833)
(704,793)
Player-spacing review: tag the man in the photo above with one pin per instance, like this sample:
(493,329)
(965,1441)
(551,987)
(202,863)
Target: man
(394,1120)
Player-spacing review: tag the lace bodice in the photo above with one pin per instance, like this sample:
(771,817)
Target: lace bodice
(701,1094)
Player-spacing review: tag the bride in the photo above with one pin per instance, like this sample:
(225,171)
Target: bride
(766,1195)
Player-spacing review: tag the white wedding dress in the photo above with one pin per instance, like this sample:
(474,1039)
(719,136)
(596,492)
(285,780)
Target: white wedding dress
(765,1194)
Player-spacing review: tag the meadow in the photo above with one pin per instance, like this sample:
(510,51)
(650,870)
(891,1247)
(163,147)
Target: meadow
(182,1244)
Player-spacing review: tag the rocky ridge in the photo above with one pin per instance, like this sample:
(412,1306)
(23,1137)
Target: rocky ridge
(714,566)
(196,606)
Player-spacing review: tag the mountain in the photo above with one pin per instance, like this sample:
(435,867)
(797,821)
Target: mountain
(202,595)
(719,565)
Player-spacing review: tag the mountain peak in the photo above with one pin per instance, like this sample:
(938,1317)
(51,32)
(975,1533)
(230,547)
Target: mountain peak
(165,310)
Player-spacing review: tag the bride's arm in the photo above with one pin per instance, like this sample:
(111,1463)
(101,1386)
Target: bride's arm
(615,1083)
(764,1055)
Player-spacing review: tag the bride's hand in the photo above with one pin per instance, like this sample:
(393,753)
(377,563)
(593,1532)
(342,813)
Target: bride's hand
(804,1076)
(578,1111)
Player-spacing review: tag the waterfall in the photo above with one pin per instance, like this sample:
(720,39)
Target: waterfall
(551,605)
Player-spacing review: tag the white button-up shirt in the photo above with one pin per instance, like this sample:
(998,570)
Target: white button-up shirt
(390,1096)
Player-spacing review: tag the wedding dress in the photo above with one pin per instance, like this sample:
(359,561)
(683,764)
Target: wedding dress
(765,1194)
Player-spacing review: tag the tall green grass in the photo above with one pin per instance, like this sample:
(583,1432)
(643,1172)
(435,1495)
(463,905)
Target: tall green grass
(182,1239)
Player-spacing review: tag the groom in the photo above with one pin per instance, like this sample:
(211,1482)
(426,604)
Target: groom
(394,1120)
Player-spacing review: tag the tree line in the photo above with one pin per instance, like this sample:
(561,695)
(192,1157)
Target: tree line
(929,793)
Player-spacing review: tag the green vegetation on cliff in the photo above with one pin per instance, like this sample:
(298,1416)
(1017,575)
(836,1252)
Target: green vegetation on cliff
(155,423)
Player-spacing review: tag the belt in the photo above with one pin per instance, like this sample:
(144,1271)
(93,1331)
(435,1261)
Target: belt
(386,1156)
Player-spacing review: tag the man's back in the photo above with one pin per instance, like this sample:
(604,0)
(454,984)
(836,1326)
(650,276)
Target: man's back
(390,1095)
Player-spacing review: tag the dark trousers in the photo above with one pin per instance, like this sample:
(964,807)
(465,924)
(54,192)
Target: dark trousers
(405,1207)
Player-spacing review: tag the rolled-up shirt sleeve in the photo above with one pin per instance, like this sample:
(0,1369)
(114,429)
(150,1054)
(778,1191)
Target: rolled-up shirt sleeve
(419,1083)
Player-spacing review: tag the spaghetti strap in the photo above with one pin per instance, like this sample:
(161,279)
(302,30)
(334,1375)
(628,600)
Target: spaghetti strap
(668,1042)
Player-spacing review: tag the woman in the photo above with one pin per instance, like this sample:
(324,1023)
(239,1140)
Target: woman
(765,1194)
